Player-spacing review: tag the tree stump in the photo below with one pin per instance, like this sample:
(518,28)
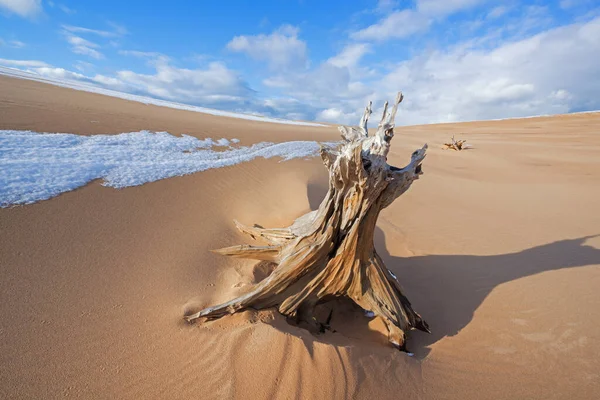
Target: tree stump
(456,145)
(329,252)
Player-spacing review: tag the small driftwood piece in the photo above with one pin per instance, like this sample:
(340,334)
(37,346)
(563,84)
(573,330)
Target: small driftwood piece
(329,252)
(456,145)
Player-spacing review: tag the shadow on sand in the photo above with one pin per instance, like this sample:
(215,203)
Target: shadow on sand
(447,289)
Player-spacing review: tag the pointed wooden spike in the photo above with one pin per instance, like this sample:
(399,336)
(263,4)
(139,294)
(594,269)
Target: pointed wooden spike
(392,117)
(384,114)
(264,253)
(273,236)
(365,119)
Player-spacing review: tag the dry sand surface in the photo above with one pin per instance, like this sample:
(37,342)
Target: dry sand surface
(496,247)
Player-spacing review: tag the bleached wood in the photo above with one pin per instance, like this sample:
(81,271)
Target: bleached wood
(329,252)
(365,119)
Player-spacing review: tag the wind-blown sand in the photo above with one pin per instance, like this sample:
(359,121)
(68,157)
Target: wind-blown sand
(496,247)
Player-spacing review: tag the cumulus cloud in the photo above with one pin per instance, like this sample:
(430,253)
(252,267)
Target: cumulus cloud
(328,92)
(551,72)
(214,86)
(282,48)
(337,115)
(24,8)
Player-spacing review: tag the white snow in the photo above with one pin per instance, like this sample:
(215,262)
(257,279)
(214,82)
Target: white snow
(37,166)
(72,84)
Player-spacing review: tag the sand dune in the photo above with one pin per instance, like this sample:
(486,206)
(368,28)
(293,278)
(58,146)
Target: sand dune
(497,247)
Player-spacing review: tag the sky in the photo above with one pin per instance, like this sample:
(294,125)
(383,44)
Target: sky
(454,60)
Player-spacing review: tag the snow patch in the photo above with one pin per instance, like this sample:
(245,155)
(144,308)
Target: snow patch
(37,166)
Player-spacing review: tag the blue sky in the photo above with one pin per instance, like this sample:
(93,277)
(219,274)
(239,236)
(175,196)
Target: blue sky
(455,60)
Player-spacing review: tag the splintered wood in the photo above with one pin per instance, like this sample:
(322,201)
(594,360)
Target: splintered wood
(329,252)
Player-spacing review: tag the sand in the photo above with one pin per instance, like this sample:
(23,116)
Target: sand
(496,247)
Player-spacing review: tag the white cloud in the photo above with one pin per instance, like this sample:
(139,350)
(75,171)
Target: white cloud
(569,4)
(465,82)
(15,44)
(82,46)
(398,24)
(66,9)
(57,73)
(282,48)
(521,78)
(83,66)
(23,63)
(118,29)
(497,12)
(140,54)
(350,55)
(386,5)
(406,22)
(337,116)
(214,85)
(86,47)
(24,8)
(327,93)
(78,41)
(82,30)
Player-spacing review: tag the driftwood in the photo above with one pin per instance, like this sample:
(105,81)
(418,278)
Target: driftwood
(456,145)
(329,252)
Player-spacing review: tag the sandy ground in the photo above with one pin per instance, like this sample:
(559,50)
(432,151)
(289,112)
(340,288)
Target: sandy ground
(496,247)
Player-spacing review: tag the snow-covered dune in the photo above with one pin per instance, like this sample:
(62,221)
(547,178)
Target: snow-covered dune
(37,166)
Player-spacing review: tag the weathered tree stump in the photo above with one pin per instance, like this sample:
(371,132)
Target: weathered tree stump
(329,252)
(456,145)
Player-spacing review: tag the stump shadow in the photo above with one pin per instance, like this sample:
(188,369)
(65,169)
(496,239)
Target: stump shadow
(447,289)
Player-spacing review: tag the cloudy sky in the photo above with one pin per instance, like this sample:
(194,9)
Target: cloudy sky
(455,60)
